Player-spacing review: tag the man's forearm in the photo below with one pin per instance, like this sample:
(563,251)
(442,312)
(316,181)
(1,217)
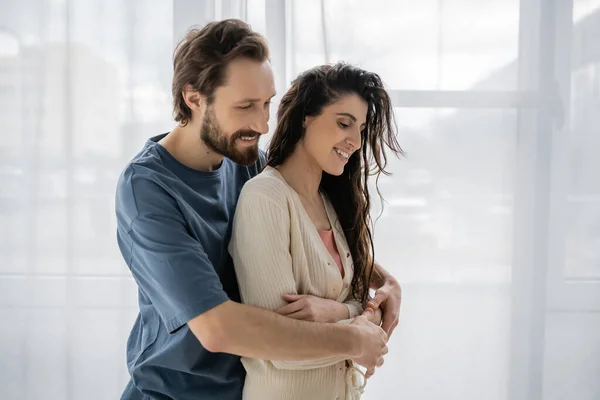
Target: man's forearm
(380,276)
(253,332)
(388,296)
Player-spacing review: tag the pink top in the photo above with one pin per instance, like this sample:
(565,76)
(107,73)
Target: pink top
(329,241)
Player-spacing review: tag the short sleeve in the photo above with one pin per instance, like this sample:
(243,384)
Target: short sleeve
(168,264)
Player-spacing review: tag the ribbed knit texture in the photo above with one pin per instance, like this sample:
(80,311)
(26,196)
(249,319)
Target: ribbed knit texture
(277,250)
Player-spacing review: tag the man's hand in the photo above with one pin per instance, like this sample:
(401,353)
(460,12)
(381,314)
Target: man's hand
(372,344)
(311,308)
(389,298)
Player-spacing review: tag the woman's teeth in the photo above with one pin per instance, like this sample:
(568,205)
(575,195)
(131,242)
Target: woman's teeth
(342,153)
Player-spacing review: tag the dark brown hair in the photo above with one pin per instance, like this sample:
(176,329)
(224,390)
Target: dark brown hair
(201,58)
(349,193)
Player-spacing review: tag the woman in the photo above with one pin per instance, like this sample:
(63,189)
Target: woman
(301,241)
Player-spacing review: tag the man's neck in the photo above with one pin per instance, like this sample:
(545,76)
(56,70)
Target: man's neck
(185,145)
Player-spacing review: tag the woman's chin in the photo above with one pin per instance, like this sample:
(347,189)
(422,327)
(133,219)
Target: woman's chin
(336,171)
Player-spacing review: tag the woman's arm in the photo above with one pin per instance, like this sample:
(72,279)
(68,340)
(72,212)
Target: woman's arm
(315,309)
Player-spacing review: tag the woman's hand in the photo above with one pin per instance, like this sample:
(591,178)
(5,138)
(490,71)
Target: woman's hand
(312,308)
(376,316)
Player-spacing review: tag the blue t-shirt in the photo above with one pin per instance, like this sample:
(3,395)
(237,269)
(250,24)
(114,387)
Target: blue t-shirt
(173,228)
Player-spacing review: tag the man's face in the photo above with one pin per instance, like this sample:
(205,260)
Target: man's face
(239,114)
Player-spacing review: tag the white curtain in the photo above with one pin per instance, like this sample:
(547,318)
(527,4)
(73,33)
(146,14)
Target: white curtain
(492,221)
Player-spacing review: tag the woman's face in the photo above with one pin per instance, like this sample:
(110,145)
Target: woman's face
(335,134)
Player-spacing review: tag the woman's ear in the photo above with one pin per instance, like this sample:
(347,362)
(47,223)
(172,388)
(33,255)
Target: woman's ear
(307,121)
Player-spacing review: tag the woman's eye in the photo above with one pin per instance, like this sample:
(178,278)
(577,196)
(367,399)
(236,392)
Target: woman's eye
(245,107)
(342,125)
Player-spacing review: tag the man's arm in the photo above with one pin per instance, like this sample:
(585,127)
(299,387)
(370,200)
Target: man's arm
(253,332)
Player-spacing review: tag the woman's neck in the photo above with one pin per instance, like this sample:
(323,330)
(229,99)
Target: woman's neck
(302,173)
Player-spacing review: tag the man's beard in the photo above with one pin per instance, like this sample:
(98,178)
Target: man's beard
(212,135)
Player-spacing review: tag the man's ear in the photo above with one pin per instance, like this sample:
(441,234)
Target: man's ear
(193,99)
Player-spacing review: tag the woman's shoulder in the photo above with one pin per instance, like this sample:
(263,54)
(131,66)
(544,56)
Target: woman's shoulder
(268,184)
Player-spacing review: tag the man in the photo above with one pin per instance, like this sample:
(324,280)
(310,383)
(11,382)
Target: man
(175,204)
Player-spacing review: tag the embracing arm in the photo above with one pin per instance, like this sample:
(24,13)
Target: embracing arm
(172,269)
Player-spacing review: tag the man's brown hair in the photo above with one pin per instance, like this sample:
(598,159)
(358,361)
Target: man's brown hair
(201,59)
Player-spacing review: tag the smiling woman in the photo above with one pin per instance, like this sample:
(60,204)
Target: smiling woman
(328,109)
(302,226)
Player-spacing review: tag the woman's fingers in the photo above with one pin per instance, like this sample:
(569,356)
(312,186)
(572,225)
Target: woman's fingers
(290,308)
(301,315)
(296,304)
(293,297)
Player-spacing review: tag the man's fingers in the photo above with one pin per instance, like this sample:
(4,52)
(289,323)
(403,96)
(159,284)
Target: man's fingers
(369,373)
(384,351)
(380,361)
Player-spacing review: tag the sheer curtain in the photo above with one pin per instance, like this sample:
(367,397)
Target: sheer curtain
(491,222)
